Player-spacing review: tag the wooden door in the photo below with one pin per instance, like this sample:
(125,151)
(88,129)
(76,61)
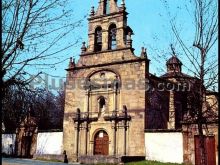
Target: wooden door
(101,143)
(209,142)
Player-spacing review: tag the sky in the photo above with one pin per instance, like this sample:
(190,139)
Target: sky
(150,21)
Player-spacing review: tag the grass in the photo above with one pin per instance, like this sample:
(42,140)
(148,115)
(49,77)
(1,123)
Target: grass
(105,164)
(48,160)
(147,162)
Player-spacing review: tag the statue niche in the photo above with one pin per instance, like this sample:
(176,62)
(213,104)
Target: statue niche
(102,106)
(102,94)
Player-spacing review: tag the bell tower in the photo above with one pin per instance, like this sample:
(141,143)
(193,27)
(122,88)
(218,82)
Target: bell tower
(104,116)
(108,28)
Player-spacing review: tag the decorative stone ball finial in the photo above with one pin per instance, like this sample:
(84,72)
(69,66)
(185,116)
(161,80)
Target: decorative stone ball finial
(123,3)
(71,63)
(143,52)
(83,48)
(92,13)
(129,40)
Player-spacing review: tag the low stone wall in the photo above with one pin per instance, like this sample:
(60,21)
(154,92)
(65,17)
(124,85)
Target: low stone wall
(49,157)
(94,159)
(164,146)
(103,159)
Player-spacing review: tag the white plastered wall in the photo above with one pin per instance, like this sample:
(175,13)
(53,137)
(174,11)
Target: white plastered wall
(164,147)
(50,143)
(7,140)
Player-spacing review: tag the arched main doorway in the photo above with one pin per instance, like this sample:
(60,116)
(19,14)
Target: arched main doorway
(101,143)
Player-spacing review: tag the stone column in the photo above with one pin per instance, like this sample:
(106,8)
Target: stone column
(34,142)
(115,113)
(186,144)
(171,122)
(120,38)
(91,38)
(87,129)
(104,39)
(19,141)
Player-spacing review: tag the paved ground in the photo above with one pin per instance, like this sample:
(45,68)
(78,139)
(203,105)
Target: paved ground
(17,161)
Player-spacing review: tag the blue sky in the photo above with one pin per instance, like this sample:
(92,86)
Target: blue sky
(149,20)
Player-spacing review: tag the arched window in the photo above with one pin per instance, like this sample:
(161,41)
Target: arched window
(106,7)
(112,37)
(98,39)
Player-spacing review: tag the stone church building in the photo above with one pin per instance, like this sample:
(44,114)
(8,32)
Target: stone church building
(109,109)
(104,113)
(116,111)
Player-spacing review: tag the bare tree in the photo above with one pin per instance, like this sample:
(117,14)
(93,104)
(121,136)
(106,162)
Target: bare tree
(33,34)
(46,107)
(60,103)
(203,61)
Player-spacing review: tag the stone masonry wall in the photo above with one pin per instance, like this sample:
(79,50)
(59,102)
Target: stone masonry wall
(132,97)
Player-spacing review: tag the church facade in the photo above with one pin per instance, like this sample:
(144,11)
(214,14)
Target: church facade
(105,90)
(116,111)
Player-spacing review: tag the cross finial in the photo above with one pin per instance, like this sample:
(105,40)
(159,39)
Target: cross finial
(143,52)
(92,11)
(173,49)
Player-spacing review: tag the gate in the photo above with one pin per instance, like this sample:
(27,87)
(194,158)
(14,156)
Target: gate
(209,144)
(101,143)
(26,146)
